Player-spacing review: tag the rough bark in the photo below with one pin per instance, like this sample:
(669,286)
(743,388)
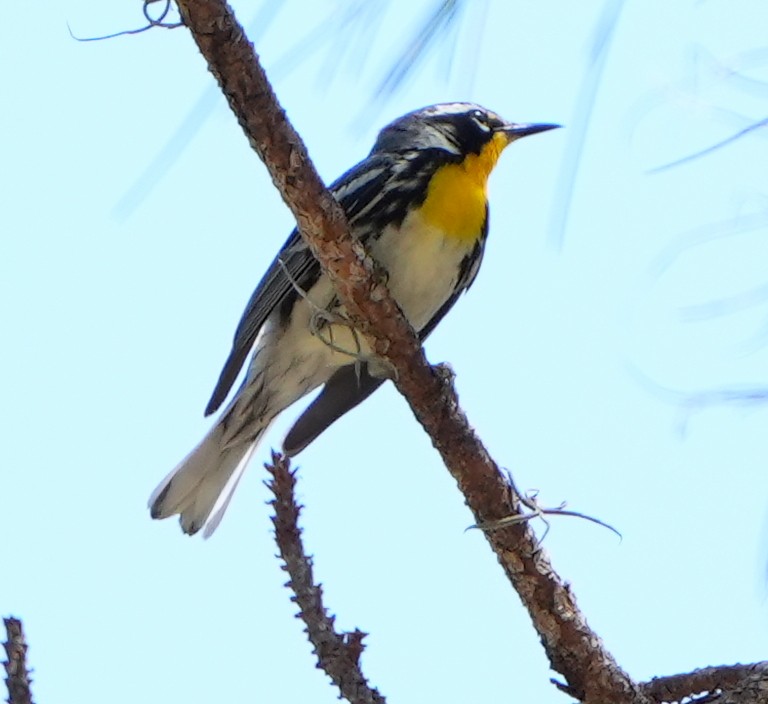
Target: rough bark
(725,684)
(17,678)
(338,654)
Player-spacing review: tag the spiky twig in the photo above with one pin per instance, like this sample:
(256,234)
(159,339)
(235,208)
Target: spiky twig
(17,677)
(338,654)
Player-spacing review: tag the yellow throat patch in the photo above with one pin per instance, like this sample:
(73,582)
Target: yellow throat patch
(457,193)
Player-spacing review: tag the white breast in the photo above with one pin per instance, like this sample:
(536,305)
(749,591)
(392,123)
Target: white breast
(423,267)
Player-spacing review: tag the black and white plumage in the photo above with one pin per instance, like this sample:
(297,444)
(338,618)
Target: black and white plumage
(293,326)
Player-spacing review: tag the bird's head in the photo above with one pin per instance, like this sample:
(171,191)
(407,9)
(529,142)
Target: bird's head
(460,129)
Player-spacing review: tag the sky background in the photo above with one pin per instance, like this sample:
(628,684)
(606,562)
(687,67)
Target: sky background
(123,273)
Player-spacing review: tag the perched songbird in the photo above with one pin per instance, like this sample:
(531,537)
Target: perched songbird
(418,203)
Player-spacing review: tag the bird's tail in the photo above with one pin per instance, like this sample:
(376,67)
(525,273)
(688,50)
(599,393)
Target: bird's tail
(200,487)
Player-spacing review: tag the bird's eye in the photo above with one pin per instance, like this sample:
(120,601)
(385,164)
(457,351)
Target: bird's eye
(481,119)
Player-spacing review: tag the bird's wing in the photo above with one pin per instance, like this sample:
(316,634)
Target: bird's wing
(351,385)
(295,269)
(346,388)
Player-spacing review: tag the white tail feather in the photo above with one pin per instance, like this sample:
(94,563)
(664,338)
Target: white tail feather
(220,507)
(203,481)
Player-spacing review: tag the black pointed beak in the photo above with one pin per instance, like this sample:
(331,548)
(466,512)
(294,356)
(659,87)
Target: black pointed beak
(516,131)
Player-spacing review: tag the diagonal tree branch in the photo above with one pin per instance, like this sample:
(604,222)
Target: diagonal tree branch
(337,653)
(573,648)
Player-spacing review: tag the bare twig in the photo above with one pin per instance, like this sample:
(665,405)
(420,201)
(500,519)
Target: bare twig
(572,647)
(749,683)
(338,654)
(530,500)
(152,22)
(17,677)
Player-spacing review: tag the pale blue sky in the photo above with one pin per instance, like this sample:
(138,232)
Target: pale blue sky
(117,319)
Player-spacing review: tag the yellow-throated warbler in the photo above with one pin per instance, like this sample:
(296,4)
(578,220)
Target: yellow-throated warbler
(418,202)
